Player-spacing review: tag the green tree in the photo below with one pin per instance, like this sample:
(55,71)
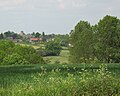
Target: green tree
(33,34)
(43,34)
(53,48)
(2,55)
(1,36)
(7,34)
(29,53)
(108,39)
(8,50)
(14,59)
(62,39)
(81,40)
(6,46)
(37,35)
(44,37)
(35,58)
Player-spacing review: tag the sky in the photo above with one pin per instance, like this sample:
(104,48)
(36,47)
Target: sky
(53,16)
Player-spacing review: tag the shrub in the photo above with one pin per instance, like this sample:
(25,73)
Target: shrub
(14,59)
(6,46)
(52,48)
(35,58)
(29,53)
(2,55)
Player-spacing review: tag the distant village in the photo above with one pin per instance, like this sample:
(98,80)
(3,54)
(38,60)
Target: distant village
(35,37)
(30,38)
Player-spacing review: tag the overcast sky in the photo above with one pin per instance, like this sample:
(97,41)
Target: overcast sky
(53,16)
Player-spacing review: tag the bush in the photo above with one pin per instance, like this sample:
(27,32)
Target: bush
(14,59)
(41,51)
(35,58)
(2,55)
(29,53)
(58,83)
(6,46)
(52,48)
(16,54)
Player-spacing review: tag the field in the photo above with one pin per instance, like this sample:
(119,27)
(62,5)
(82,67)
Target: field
(60,80)
(62,58)
(33,45)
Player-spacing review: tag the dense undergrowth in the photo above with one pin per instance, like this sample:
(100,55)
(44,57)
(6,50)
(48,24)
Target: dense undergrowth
(61,80)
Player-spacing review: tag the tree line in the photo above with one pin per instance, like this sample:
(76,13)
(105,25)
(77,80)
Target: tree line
(10,54)
(99,43)
(25,38)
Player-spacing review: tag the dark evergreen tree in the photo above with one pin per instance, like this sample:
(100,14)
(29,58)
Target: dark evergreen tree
(1,36)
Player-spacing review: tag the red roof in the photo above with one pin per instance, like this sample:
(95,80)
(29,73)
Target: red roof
(35,39)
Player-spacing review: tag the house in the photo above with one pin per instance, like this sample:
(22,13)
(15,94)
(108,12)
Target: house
(22,33)
(34,39)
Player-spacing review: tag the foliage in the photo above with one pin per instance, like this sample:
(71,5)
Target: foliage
(52,48)
(58,83)
(1,36)
(6,46)
(35,58)
(81,40)
(37,34)
(27,54)
(62,39)
(12,34)
(98,43)
(14,59)
(41,51)
(2,55)
(24,50)
(108,39)
(62,58)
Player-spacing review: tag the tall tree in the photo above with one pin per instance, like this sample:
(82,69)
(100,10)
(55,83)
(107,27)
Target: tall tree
(33,34)
(37,35)
(81,40)
(43,34)
(43,37)
(1,36)
(108,42)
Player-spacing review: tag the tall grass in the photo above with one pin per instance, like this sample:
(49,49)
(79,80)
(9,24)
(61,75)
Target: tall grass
(60,81)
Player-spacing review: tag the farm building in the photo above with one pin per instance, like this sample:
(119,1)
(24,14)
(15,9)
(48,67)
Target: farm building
(34,39)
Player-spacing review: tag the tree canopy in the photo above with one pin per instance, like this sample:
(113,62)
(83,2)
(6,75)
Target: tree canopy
(16,54)
(100,42)
(52,48)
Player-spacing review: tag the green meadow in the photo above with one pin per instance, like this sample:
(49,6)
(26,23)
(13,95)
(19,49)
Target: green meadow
(62,58)
(60,80)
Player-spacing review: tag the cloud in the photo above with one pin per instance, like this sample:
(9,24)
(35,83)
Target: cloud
(111,7)
(4,4)
(72,3)
(42,4)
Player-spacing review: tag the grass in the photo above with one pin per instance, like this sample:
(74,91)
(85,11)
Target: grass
(62,58)
(60,80)
(115,68)
(35,46)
